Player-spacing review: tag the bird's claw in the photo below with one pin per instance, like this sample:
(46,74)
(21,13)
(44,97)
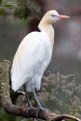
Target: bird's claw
(41,109)
(28,110)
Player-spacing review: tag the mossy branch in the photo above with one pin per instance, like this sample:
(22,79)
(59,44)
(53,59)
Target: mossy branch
(22,111)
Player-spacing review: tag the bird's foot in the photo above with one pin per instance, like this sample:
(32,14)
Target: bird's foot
(41,109)
(29,108)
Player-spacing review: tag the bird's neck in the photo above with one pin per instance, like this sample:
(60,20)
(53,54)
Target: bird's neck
(48,29)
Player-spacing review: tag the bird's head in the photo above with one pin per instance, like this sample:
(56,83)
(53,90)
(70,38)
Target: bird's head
(53,16)
(49,18)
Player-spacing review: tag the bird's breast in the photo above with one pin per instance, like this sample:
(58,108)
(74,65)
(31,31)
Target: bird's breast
(43,58)
(47,52)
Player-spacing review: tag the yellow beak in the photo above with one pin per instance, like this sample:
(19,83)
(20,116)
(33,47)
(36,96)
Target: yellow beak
(62,16)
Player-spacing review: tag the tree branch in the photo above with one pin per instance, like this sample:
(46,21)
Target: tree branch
(22,111)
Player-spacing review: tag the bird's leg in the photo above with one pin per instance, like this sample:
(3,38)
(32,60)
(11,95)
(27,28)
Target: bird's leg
(37,101)
(27,97)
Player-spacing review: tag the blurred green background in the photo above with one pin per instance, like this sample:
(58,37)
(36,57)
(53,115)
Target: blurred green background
(61,90)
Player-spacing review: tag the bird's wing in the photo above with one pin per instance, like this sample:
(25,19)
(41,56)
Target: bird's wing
(30,53)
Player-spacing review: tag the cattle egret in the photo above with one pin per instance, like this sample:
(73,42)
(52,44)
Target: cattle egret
(34,55)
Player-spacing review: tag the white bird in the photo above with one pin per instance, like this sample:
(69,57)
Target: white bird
(34,55)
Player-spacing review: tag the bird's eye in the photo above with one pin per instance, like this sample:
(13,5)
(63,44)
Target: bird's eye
(54,16)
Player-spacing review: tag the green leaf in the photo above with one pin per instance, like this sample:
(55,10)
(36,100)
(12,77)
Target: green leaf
(10,5)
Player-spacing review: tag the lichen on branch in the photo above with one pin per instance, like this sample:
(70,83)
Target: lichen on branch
(18,110)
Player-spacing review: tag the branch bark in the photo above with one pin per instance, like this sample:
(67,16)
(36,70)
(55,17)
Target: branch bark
(6,101)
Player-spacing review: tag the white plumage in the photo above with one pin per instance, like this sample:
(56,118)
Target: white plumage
(34,54)
(31,60)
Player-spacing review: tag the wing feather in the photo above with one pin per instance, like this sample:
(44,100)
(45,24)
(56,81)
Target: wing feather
(30,53)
